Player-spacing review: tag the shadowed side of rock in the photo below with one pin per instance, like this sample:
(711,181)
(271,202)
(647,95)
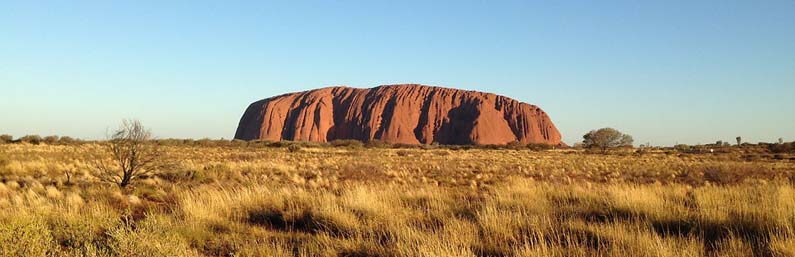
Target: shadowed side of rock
(409,114)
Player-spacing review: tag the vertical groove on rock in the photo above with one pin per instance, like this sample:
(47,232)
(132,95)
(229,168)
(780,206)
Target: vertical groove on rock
(421,131)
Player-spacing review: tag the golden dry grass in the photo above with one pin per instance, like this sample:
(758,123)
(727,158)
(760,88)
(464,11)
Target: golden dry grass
(241,201)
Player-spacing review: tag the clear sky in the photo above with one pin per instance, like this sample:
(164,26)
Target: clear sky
(663,71)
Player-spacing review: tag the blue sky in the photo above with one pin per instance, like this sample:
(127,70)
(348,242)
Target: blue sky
(663,71)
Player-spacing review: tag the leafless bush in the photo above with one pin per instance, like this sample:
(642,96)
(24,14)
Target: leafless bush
(132,155)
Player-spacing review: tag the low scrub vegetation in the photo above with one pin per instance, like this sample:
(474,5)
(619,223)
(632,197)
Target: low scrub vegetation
(363,200)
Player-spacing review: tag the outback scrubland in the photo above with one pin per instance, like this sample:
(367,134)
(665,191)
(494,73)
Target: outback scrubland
(348,200)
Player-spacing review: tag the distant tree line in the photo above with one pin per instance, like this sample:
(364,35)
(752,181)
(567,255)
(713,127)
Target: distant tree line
(345,143)
(602,140)
(36,139)
(724,147)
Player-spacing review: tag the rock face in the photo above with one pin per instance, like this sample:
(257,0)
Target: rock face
(409,114)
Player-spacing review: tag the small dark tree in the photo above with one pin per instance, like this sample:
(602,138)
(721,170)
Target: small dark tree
(739,140)
(516,145)
(50,140)
(780,140)
(66,140)
(6,139)
(294,148)
(605,138)
(31,139)
(132,154)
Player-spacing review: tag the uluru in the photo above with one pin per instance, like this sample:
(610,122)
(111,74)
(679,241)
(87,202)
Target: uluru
(407,114)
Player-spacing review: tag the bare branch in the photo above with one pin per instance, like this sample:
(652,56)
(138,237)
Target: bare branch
(132,152)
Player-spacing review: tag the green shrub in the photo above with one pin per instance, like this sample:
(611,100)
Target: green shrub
(515,145)
(153,236)
(31,139)
(82,233)
(377,144)
(212,173)
(205,142)
(401,145)
(428,147)
(260,143)
(24,235)
(293,148)
(238,142)
(350,143)
(169,142)
(67,140)
(782,147)
(201,176)
(540,147)
(50,140)
(403,153)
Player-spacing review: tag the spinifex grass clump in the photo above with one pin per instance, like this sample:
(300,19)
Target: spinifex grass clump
(365,201)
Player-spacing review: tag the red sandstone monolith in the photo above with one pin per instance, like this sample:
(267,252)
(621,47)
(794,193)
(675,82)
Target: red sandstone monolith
(408,114)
